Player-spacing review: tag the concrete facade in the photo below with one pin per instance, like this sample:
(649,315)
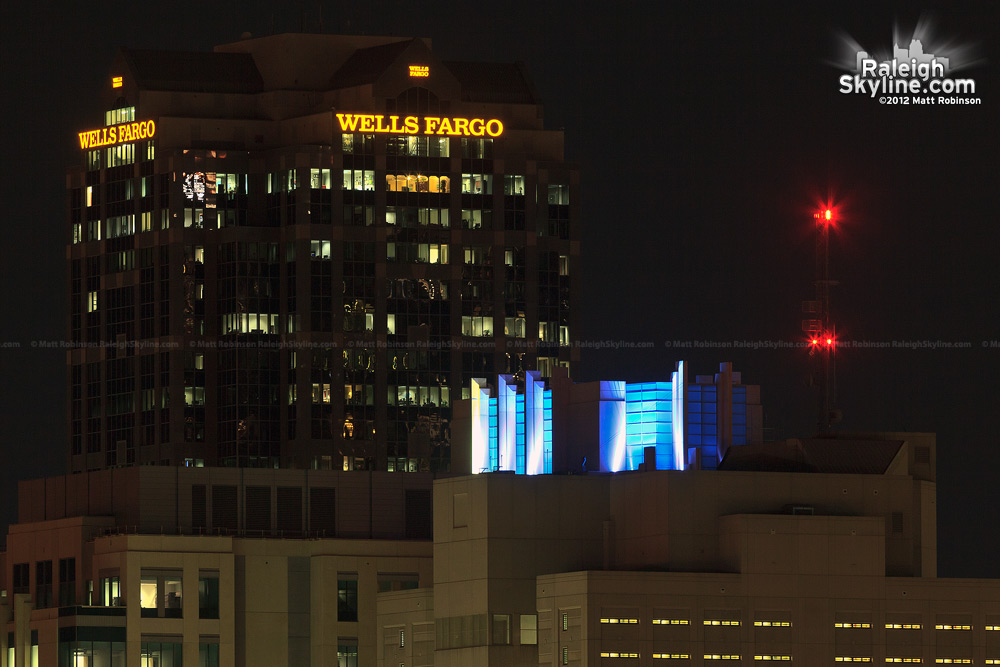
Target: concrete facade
(814,551)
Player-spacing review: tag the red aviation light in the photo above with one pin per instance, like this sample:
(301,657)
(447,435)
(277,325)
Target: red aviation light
(825,216)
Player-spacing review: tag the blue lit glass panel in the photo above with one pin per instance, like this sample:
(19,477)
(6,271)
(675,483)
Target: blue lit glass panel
(547,437)
(480,427)
(649,423)
(494,437)
(521,454)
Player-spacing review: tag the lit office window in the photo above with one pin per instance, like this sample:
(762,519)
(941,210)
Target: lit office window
(952,627)
(772,658)
(529,629)
(852,625)
(720,622)
(622,621)
(772,624)
(618,654)
(671,656)
(347,654)
(670,621)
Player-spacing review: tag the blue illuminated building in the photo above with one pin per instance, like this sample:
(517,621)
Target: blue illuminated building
(527,426)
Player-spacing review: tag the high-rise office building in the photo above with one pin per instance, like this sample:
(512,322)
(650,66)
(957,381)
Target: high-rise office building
(296,250)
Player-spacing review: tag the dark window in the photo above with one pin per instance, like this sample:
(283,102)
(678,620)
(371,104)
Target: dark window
(347,597)
(199,509)
(43,584)
(208,654)
(67,582)
(322,511)
(21,578)
(418,514)
(258,508)
(224,507)
(208,595)
(289,509)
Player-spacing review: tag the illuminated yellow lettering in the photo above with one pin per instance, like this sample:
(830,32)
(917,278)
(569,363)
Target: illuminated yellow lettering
(411,125)
(461,126)
(446,127)
(394,125)
(430,122)
(117,134)
(494,127)
(348,122)
(368,123)
(378,124)
(477,127)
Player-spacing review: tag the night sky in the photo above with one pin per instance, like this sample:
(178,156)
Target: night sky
(706,133)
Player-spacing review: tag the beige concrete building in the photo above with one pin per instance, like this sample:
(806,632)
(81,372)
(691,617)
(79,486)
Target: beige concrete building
(815,551)
(162,567)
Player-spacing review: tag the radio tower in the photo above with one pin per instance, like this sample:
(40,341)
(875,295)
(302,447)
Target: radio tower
(820,327)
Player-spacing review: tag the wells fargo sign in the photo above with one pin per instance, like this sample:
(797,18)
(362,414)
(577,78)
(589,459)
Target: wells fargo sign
(117,134)
(454,127)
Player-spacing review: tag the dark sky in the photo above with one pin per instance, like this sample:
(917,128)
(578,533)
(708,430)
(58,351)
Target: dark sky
(705,133)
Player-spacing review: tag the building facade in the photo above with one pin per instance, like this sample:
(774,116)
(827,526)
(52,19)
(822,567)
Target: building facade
(297,250)
(816,551)
(164,567)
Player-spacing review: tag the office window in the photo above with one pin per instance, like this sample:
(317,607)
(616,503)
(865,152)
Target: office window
(529,629)
(43,584)
(208,595)
(565,655)
(558,194)
(513,184)
(565,622)
(160,594)
(501,629)
(208,653)
(67,582)
(347,598)
(319,179)
(111,591)
(20,578)
(477,184)
(347,653)
(161,653)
